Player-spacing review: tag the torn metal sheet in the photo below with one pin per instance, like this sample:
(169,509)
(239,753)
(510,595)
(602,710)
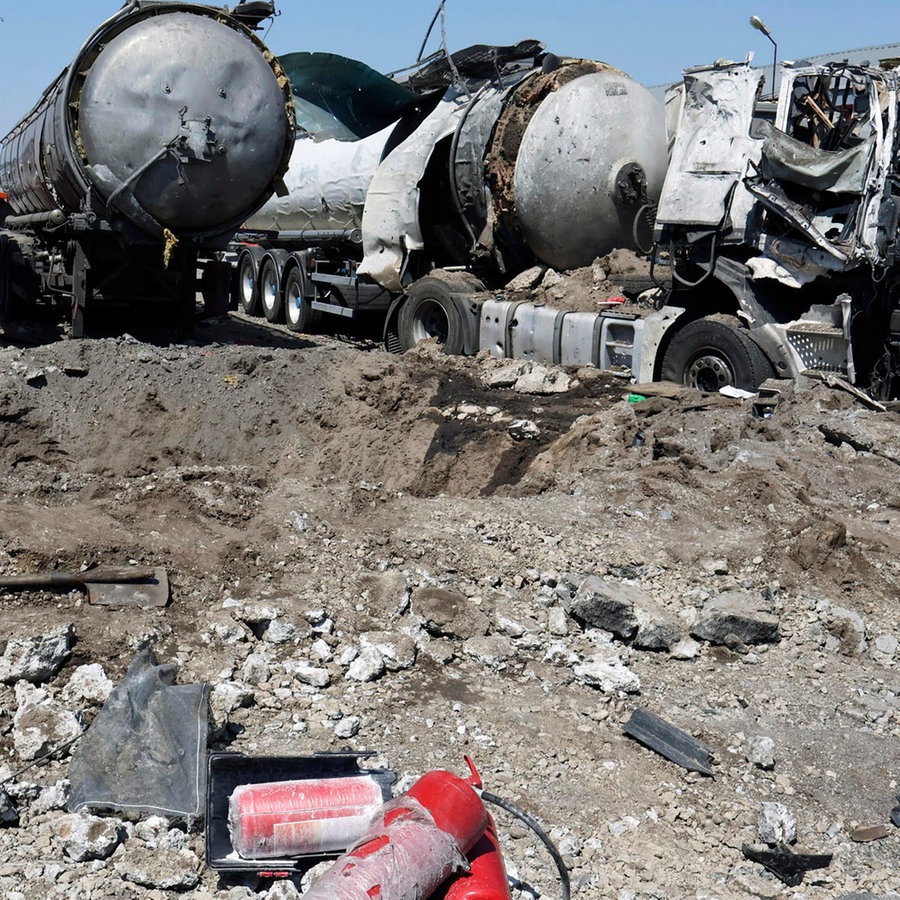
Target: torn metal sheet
(774,199)
(669,741)
(712,145)
(327,183)
(839,171)
(791,261)
(343,99)
(391,226)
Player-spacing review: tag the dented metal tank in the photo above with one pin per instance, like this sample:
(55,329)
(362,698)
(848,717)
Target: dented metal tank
(593,151)
(173,116)
(550,161)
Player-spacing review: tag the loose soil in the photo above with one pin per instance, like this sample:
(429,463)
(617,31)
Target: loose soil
(321,473)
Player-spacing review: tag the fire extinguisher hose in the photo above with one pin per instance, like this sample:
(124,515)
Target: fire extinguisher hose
(533,824)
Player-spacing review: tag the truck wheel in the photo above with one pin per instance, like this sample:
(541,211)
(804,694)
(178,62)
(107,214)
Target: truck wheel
(709,354)
(430,313)
(248,291)
(298,313)
(269,291)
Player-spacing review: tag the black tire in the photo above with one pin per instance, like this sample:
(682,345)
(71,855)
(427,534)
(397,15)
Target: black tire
(429,313)
(709,354)
(247,285)
(298,313)
(270,296)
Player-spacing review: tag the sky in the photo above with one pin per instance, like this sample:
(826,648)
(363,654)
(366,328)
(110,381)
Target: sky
(652,41)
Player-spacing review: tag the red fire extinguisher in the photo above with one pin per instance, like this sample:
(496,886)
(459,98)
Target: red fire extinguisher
(414,845)
(486,878)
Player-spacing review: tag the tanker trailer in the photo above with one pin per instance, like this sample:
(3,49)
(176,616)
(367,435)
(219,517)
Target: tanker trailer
(170,127)
(502,158)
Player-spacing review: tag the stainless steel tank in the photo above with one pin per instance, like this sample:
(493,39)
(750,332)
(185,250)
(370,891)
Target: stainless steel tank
(173,116)
(593,151)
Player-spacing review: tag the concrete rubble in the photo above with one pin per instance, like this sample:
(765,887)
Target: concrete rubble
(454,591)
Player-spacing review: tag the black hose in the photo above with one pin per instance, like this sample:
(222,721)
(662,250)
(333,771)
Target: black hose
(532,823)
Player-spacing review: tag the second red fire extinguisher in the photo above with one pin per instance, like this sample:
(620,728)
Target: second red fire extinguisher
(414,845)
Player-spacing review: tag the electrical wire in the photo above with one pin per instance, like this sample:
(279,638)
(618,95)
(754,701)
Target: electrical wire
(533,824)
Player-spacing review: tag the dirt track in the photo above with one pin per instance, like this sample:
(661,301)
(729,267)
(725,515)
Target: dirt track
(333,481)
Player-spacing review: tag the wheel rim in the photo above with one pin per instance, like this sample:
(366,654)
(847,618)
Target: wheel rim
(269,289)
(430,322)
(710,372)
(248,282)
(292,301)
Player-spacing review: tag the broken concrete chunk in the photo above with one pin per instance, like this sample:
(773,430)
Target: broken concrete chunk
(776,824)
(609,676)
(541,380)
(36,659)
(736,614)
(155,832)
(224,699)
(686,648)
(160,868)
(761,752)
(558,654)
(54,797)
(285,889)
(255,669)
(447,613)
(884,648)
(601,604)
(492,651)
(527,378)
(368,666)
(252,612)
(347,727)
(847,630)
(280,631)
(657,628)
(41,724)
(557,623)
(526,280)
(85,837)
(88,684)
(305,673)
(397,650)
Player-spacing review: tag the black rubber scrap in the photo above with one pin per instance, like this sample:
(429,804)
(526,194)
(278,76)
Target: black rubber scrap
(669,741)
(9,814)
(786,865)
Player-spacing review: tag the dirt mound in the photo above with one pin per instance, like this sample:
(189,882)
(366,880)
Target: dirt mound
(315,498)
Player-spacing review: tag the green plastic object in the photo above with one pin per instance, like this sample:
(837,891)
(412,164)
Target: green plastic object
(635,398)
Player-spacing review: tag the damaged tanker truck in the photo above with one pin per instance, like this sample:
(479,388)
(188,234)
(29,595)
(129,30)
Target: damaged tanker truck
(775,222)
(780,224)
(409,196)
(137,165)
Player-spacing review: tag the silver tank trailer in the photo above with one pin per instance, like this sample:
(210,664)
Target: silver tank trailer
(557,162)
(173,115)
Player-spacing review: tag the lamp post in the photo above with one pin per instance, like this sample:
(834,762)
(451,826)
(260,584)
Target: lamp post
(759,25)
